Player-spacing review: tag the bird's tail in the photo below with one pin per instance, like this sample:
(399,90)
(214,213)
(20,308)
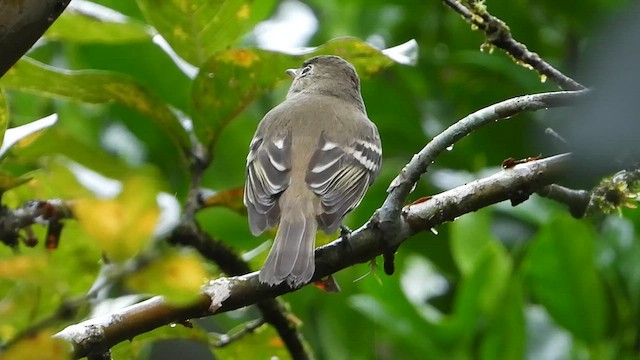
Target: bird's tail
(291,258)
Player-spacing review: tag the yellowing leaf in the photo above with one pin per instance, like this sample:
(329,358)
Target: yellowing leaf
(178,277)
(8,181)
(244,12)
(39,346)
(240,57)
(196,29)
(231,79)
(19,267)
(122,226)
(231,199)
(4,115)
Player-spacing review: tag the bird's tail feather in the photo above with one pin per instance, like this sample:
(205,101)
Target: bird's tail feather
(291,258)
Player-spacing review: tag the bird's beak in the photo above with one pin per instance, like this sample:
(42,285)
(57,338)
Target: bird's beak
(292,72)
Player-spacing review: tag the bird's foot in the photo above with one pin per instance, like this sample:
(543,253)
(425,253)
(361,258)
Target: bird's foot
(345,232)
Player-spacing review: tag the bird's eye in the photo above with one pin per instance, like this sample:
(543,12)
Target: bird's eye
(305,71)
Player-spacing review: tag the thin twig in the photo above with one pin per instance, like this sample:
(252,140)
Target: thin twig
(32,212)
(248,329)
(498,34)
(576,200)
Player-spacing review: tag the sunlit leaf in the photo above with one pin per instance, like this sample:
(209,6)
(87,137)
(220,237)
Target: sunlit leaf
(87,22)
(123,225)
(198,28)
(21,267)
(178,277)
(24,132)
(230,80)
(561,269)
(94,87)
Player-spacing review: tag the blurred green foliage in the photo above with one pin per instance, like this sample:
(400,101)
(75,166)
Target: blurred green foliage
(502,283)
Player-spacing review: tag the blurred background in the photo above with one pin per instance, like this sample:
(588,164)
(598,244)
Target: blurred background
(525,282)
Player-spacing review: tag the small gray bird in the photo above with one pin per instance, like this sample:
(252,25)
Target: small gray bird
(310,162)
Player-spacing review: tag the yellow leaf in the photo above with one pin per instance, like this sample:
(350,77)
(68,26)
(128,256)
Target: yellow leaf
(240,57)
(178,277)
(122,226)
(244,12)
(39,346)
(20,267)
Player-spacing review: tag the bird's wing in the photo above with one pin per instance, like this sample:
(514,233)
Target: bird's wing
(268,167)
(340,176)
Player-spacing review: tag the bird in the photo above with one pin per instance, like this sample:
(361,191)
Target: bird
(310,162)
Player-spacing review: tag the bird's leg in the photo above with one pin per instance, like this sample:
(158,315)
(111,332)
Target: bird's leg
(345,232)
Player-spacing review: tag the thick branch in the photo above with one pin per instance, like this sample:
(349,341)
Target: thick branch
(225,294)
(498,34)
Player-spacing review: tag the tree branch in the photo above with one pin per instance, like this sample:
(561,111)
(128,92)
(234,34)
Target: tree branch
(576,200)
(226,294)
(35,211)
(22,23)
(498,34)
(389,213)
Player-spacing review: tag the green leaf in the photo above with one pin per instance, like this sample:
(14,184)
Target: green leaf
(470,235)
(560,268)
(198,28)
(481,291)
(140,347)
(77,25)
(264,341)
(505,335)
(94,87)
(57,140)
(9,181)
(230,80)
(387,305)
(4,115)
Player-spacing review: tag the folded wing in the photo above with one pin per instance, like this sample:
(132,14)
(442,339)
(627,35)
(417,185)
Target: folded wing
(268,168)
(340,176)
